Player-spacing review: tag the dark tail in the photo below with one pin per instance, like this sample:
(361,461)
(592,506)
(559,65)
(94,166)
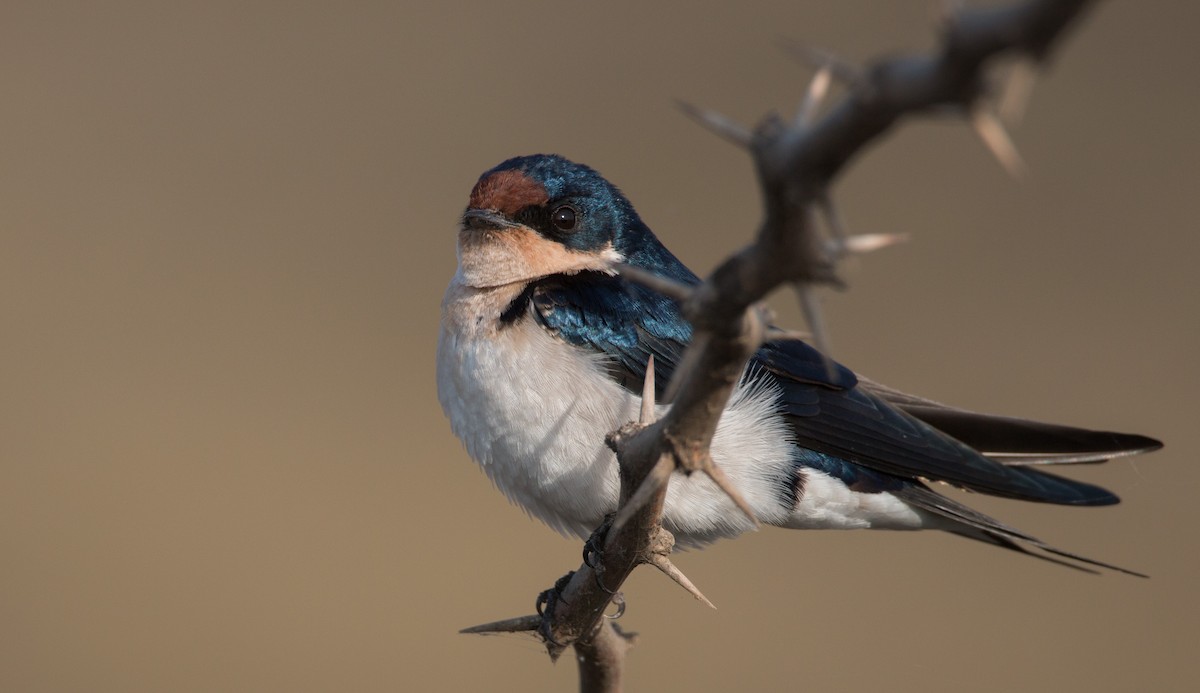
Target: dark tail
(972,524)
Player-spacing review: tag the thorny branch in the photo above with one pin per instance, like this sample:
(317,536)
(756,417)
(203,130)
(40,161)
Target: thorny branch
(796,163)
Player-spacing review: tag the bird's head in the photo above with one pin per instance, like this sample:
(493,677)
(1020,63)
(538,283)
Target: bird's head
(540,215)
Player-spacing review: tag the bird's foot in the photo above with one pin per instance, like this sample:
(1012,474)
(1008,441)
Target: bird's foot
(545,604)
(593,550)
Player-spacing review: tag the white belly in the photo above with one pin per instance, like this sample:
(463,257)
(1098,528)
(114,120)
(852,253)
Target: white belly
(535,418)
(533,411)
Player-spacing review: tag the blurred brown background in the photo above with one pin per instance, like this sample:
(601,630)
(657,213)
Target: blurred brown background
(224,233)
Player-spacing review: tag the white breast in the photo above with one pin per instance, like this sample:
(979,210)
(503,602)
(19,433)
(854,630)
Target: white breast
(533,411)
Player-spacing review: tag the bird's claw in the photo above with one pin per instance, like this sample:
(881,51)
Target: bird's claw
(545,603)
(547,598)
(593,549)
(594,545)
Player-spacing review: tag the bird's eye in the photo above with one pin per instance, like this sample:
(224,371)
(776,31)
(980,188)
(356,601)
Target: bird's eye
(563,218)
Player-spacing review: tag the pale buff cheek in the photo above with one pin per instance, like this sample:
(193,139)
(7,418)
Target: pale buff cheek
(496,257)
(487,259)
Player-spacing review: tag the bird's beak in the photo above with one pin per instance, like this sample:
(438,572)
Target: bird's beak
(481,219)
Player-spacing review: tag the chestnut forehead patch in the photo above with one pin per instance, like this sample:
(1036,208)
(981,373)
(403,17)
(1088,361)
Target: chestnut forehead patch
(507,192)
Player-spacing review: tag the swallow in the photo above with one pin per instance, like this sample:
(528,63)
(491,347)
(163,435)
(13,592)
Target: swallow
(543,348)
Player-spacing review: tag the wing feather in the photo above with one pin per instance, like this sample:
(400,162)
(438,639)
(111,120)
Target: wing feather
(838,414)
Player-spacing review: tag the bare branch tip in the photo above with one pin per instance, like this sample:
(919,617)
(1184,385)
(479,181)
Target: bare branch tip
(718,124)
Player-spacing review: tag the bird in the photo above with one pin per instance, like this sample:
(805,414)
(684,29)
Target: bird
(543,348)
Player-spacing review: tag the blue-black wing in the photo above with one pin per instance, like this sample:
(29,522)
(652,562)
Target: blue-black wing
(829,411)
(626,322)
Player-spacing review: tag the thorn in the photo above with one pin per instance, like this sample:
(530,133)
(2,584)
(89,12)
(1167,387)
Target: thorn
(718,124)
(1016,92)
(714,472)
(996,139)
(812,315)
(687,363)
(646,416)
(650,485)
(519,624)
(779,334)
(814,95)
(833,221)
(668,568)
(867,242)
(663,285)
(844,71)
